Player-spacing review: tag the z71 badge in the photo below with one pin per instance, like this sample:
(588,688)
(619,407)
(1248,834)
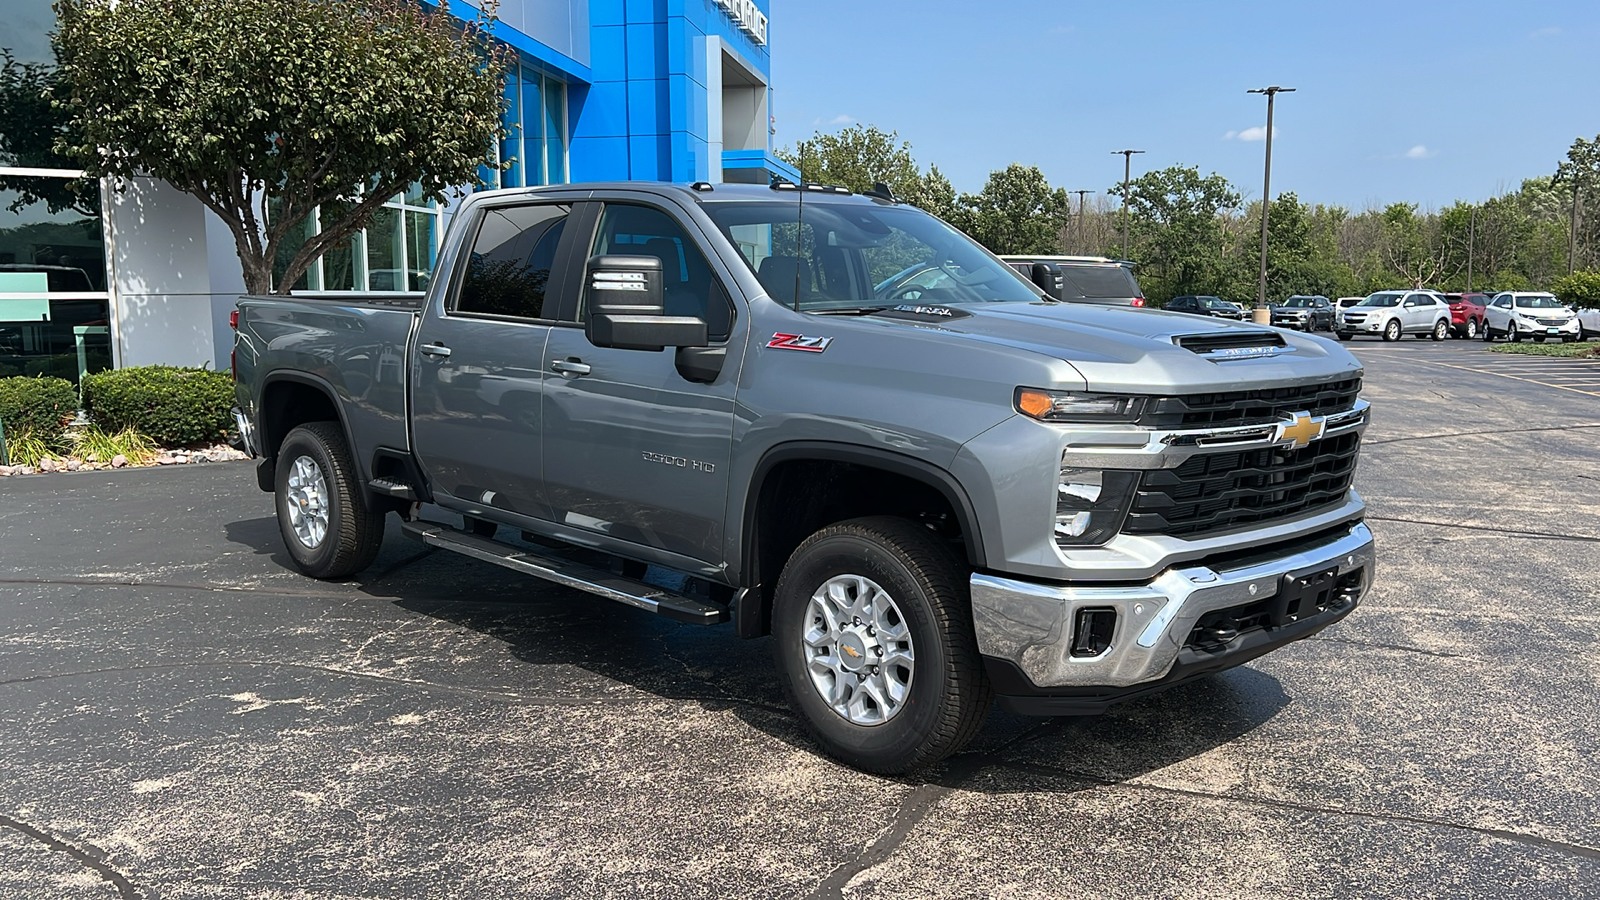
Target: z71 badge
(781,341)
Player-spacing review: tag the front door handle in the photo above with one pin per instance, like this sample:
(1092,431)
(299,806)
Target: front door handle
(438,350)
(570,367)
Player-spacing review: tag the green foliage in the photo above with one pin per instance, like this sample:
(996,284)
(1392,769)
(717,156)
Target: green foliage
(1177,217)
(860,156)
(30,124)
(40,405)
(1016,212)
(174,406)
(1580,289)
(27,447)
(95,444)
(296,103)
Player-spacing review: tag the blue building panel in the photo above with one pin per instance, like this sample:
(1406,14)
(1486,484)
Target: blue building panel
(647,107)
(608,52)
(599,159)
(647,51)
(686,49)
(686,104)
(603,111)
(646,11)
(649,157)
(606,12)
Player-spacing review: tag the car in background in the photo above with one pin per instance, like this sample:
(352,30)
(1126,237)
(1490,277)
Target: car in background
(1086,279)
(1515,315)
(1467,313)
(1206,306)
(1394,314)
(1304,312)
(1588,322)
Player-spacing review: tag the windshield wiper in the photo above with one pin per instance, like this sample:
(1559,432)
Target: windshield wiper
(848,310)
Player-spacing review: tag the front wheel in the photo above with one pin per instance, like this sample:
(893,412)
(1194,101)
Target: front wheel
(1391,331)
(872,628)
(327,526)
(1441,329)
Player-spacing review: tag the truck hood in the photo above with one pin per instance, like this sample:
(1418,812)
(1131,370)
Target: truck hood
(1139,350)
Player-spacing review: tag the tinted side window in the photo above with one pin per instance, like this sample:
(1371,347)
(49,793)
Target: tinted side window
(1098,282)
(511,260)
(691,289)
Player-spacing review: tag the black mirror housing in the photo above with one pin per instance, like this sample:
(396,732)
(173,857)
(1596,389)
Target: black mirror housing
(627,307)
(1047,278)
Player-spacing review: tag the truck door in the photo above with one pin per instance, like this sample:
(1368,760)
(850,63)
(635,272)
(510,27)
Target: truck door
(479,361)
(632,448)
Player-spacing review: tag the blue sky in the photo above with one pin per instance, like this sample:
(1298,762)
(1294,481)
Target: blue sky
(1418,102)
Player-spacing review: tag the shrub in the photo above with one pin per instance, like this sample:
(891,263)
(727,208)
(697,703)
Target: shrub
(25,447)
(1579,289)
(173,406)
(41,406)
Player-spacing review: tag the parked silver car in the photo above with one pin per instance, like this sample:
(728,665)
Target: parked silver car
(1395,313)
(1515,315)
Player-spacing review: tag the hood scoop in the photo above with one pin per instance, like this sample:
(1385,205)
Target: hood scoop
(1222,346)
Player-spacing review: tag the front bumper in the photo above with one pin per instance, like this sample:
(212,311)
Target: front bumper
(1025,629)
(1569,327)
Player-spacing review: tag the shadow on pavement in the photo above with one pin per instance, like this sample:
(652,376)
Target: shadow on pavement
(554,629)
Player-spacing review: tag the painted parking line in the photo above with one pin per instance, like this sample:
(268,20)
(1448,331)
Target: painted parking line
(1480,370)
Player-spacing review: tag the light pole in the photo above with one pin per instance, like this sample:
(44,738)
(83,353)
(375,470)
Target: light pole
(1127,170)
(1083,231)
(1261,315)
(1472,233)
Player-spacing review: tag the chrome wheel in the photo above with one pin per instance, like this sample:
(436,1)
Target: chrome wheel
(308,502)
(858,650)
(1472,329)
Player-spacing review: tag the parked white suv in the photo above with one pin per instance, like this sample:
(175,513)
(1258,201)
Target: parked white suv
(1515,315)
(1395,313)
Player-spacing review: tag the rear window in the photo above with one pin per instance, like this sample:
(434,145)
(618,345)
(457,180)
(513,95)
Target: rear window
(1098,282)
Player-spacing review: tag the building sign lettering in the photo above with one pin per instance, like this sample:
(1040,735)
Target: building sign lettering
(747,17)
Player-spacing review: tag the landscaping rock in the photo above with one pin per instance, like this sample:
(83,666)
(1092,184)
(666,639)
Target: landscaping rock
(73,465)
(118,461)
(47,465)
(9,470)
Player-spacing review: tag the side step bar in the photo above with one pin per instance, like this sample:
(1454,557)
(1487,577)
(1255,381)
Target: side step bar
(567,573)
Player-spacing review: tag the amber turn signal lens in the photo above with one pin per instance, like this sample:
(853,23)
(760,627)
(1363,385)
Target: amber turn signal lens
(1034,403)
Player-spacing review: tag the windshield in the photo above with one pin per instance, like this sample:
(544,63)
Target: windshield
(1545,302)
(1382,299)
(1299,302)
(851,256)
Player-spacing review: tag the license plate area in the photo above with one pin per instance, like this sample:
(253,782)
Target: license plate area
(1553,330)
(1302,595)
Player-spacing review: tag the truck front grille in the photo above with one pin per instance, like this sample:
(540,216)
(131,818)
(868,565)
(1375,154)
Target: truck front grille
(1221,491)
(1250,407)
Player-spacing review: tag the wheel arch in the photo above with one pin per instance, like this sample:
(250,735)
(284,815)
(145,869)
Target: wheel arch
(897,484)
(291,398)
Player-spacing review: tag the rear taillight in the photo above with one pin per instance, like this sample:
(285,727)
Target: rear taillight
(1138,301)
(233,320)
(233,355)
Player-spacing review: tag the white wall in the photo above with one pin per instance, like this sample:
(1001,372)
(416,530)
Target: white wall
(174,276)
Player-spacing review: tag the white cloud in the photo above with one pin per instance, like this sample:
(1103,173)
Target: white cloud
(1544,32)
(1420,152)
(1254,133)
(842,119)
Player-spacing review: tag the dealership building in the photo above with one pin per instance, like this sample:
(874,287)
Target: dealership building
(659,90)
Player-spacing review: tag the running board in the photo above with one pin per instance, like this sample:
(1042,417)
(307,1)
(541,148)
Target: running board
(568,574)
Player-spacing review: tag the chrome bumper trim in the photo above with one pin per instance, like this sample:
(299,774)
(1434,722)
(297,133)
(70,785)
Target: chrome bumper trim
(1030,624)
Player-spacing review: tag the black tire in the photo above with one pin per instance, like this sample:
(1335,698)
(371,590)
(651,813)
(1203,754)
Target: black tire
(354,529)
(1469,330)
(1488,333)
(1391,331)
(1441,328)
(1345,335)
(948,692)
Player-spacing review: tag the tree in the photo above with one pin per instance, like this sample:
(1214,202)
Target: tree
(1581,173)
(860,156)
(1413,246)
(1016,212)
(298,104)
(1580,289)
(1178,218)
(30,125)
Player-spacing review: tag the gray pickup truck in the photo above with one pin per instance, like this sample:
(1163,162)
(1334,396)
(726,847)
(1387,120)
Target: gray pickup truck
(834,419)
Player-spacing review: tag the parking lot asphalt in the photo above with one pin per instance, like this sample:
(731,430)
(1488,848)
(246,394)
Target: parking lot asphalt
(181,716)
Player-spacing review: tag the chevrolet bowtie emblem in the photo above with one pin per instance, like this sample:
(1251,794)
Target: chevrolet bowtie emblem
(1301,429)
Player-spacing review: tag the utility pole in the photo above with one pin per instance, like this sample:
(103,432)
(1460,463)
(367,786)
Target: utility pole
(1127,171)
(1472,229)
(1261,315)
(1572,237)
(1083,228)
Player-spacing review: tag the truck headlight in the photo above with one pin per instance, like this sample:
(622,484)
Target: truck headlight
(1091,504)
(1074,406)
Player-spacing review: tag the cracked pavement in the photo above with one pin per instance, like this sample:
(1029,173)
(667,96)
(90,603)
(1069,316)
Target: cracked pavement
(182,716)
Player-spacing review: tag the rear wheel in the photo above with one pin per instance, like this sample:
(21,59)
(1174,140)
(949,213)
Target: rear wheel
(872,628)
(1441,330)
(1345,335)
(1470,330)
(1391,331)
(1488,333)
(327,526)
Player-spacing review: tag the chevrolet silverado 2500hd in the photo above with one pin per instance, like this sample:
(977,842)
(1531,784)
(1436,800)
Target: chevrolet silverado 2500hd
(842,423)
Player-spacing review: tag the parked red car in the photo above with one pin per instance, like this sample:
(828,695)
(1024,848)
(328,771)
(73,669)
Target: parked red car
(1466,314)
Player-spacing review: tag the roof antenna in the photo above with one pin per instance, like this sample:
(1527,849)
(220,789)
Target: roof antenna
(881,191)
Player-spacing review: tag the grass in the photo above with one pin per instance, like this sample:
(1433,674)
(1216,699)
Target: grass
(24,448)
(1550,348)
(95,445)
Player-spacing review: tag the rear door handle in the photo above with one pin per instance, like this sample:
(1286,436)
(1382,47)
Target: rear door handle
(570,367)
(438,350)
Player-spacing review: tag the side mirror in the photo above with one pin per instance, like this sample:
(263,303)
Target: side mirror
(1047,278)
(627,307)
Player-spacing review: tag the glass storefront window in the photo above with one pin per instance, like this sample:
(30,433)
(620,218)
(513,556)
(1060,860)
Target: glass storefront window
(419,249)
(395,252)
(535,148)
(54,309)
